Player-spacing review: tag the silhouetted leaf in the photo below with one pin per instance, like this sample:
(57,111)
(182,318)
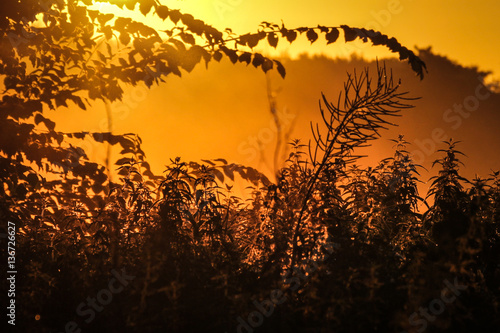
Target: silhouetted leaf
(267,65)
(175,15)
(192,57)
(219,175)
(233,56)
(291,36)
(245,57)
(404,54)
(312,36)
(123,62)
(122,171)
(131,4)
(124,38)
(121,23)
(209,162)
(197,27)
(162,12)
(145,6)
(349,34)
(322,28)
(123,160)
(60,101)
(332,36)
(80,135)
(32,179)
(258,60)
(39,118)
(228,171)
(251,40)
(217,56)
(272,39)
(48,123)
(281,68)
(187,38)
(187,19)
(103,18)
(92,14)
(78,101)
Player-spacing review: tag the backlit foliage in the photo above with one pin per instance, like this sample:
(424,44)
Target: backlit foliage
(200,254)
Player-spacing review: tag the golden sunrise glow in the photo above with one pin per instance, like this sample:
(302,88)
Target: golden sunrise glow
(465,32)
(190,114)
(250,165)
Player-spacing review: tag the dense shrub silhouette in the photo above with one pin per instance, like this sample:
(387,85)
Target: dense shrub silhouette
(202,258)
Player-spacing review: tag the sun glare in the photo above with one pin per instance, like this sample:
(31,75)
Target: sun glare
(105,7)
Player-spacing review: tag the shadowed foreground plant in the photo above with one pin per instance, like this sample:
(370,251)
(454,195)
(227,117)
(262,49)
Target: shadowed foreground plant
(362,110)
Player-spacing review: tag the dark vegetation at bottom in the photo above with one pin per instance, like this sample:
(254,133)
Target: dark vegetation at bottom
(338,247)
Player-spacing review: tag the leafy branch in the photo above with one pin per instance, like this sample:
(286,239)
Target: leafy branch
(216,44)
(271,33)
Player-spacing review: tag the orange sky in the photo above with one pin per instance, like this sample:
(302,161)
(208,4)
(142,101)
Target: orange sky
(456,29)
(464,31)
